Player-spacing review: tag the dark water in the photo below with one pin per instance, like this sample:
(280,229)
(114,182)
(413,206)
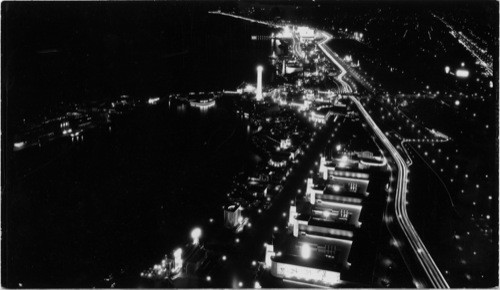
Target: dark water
(120,199)
(93,51)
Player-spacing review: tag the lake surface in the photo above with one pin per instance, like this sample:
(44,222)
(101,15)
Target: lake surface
(124,196)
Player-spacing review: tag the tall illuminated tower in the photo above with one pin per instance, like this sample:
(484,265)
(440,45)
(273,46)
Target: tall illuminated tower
(258,94)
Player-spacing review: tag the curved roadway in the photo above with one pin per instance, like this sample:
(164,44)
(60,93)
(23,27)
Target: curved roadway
(346,89)
(433,274)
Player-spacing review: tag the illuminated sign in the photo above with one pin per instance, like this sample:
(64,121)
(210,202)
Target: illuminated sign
(312,275)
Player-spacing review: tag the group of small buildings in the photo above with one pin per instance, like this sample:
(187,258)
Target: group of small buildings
(185,263)
(70,120)
(322,225)
(279,138)
(202,100)
(319,106)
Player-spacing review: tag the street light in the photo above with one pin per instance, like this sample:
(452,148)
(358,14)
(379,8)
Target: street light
(195,235)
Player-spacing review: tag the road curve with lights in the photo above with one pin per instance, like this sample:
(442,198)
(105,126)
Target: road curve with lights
(433,273)
(330,54)
(430,268)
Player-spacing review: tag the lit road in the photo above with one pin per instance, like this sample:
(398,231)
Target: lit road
(329,53)
(434,276)
(333,57)
(245,18)
(432,272)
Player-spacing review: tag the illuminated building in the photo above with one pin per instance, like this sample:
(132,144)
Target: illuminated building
(285,33)
(355,182)
(258,92)
(188,259)
(19,145)
(232,215)
(335,201)
(329,240)
(323,228)
(301,105)
(178,259)
(153,101)
(319,117)
(203,101)
(317,252)
(305,32)
(293,67)
(358,36)
(352,161)
(324,112)
(288,268)
(285,143)
(278,162)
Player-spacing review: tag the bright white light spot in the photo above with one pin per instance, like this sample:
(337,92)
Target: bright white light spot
(195,235)
(462,73)
(305,251)
(177,254)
